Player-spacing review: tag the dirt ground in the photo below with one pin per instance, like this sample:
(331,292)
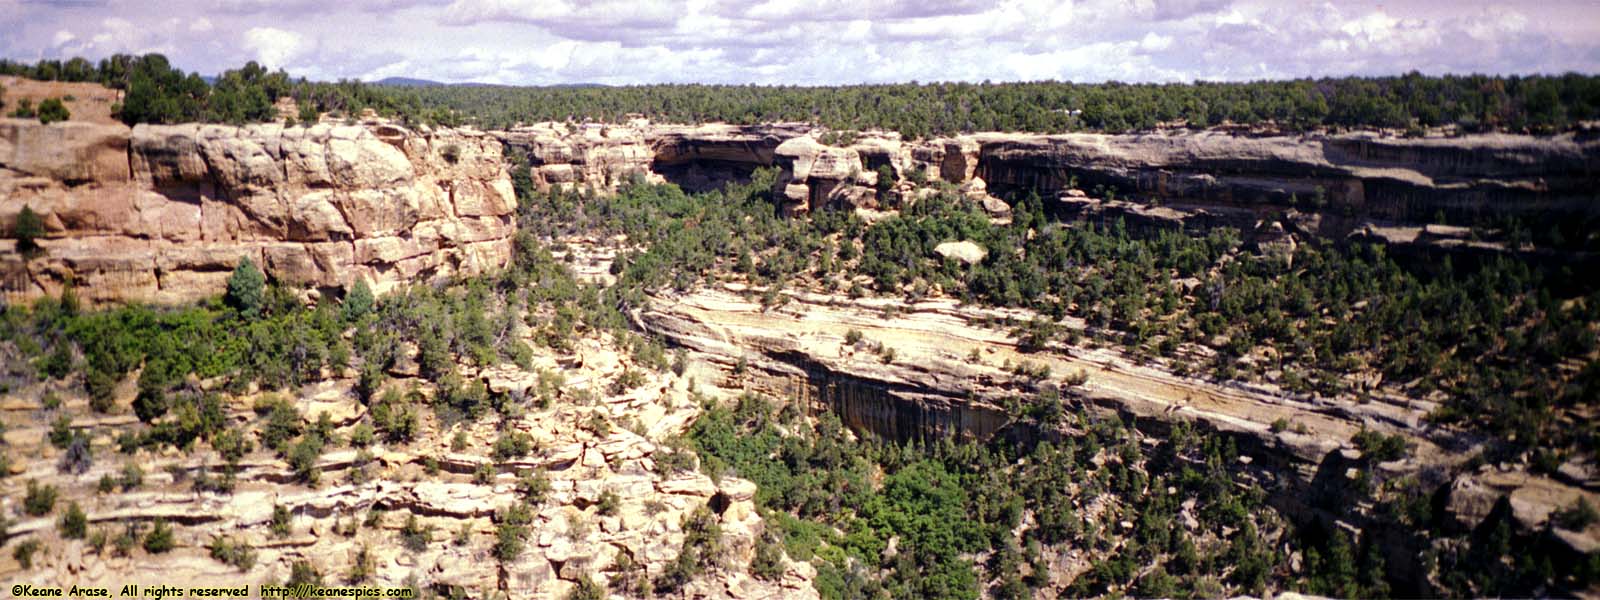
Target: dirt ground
(88,102)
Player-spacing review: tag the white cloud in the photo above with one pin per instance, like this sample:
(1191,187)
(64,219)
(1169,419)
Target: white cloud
(820,41)
(275,48)
(1154,42)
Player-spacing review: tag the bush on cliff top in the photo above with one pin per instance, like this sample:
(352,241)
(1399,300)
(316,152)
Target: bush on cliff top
(51,110)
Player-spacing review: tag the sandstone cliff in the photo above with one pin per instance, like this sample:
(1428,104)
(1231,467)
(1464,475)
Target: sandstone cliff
(1342,182)
(164,213)
(1333,186)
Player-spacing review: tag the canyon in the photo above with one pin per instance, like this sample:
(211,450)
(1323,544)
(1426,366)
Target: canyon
(163,214)
(953,371)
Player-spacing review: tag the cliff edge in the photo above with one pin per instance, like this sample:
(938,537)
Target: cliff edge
(162,213)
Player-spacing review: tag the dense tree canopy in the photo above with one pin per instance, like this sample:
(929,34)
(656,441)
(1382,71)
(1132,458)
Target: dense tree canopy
(1472,102)
(160,93)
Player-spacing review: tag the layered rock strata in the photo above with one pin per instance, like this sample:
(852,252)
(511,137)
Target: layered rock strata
(950,375)
(424,513)
(1357,184)
(163,213)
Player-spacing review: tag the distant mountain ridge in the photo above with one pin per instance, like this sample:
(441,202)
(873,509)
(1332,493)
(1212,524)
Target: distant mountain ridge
(408,82)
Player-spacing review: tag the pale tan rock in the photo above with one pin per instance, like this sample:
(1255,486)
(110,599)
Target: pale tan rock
(966,251)
(692,485)
(318,205)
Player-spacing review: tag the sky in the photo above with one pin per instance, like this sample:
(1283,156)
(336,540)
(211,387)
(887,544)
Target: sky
(541,42)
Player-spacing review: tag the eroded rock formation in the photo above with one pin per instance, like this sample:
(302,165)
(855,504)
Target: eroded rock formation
(949,374)
(164,213)
(424,513)
(1335,186)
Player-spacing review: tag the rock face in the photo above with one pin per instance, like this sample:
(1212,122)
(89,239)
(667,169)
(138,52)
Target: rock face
(816,176)
(163,213)
(1336,186)
(600,157)
(1357,175)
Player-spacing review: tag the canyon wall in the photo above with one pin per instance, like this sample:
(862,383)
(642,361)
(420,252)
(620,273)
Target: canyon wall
(952,373)
(1333,186)
(163,213)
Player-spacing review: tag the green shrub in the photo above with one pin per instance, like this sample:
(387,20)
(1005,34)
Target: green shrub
(24,109)
(125,542)
(512,444)
(40,499)
(587,589)
(160,538)
(1376,447)
(414,535)
(132,477)
(302,573)
(282,521)
(361,435)
(767,563)
(362,567)
(74,523)
(673,460)
(61,432)
(608,503)
(283,423)
(1577,517)
(246,288)
(24,553)
(534,487)
(237,554)
(303,458)
(51,110)
(358,303)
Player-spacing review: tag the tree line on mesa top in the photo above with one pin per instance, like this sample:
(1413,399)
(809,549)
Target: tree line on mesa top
(158,92)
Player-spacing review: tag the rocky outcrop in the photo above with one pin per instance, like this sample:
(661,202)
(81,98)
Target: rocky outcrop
(815,176)
(956,391)
(1359,177)
(162,213)
(610,512)
(1358,184)
(938,369)
(600,157)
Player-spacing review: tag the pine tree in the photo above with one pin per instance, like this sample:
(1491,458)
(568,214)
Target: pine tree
(358,302)
(28,227)
(245,288)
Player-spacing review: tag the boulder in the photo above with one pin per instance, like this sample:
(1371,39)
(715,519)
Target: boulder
(966,251)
